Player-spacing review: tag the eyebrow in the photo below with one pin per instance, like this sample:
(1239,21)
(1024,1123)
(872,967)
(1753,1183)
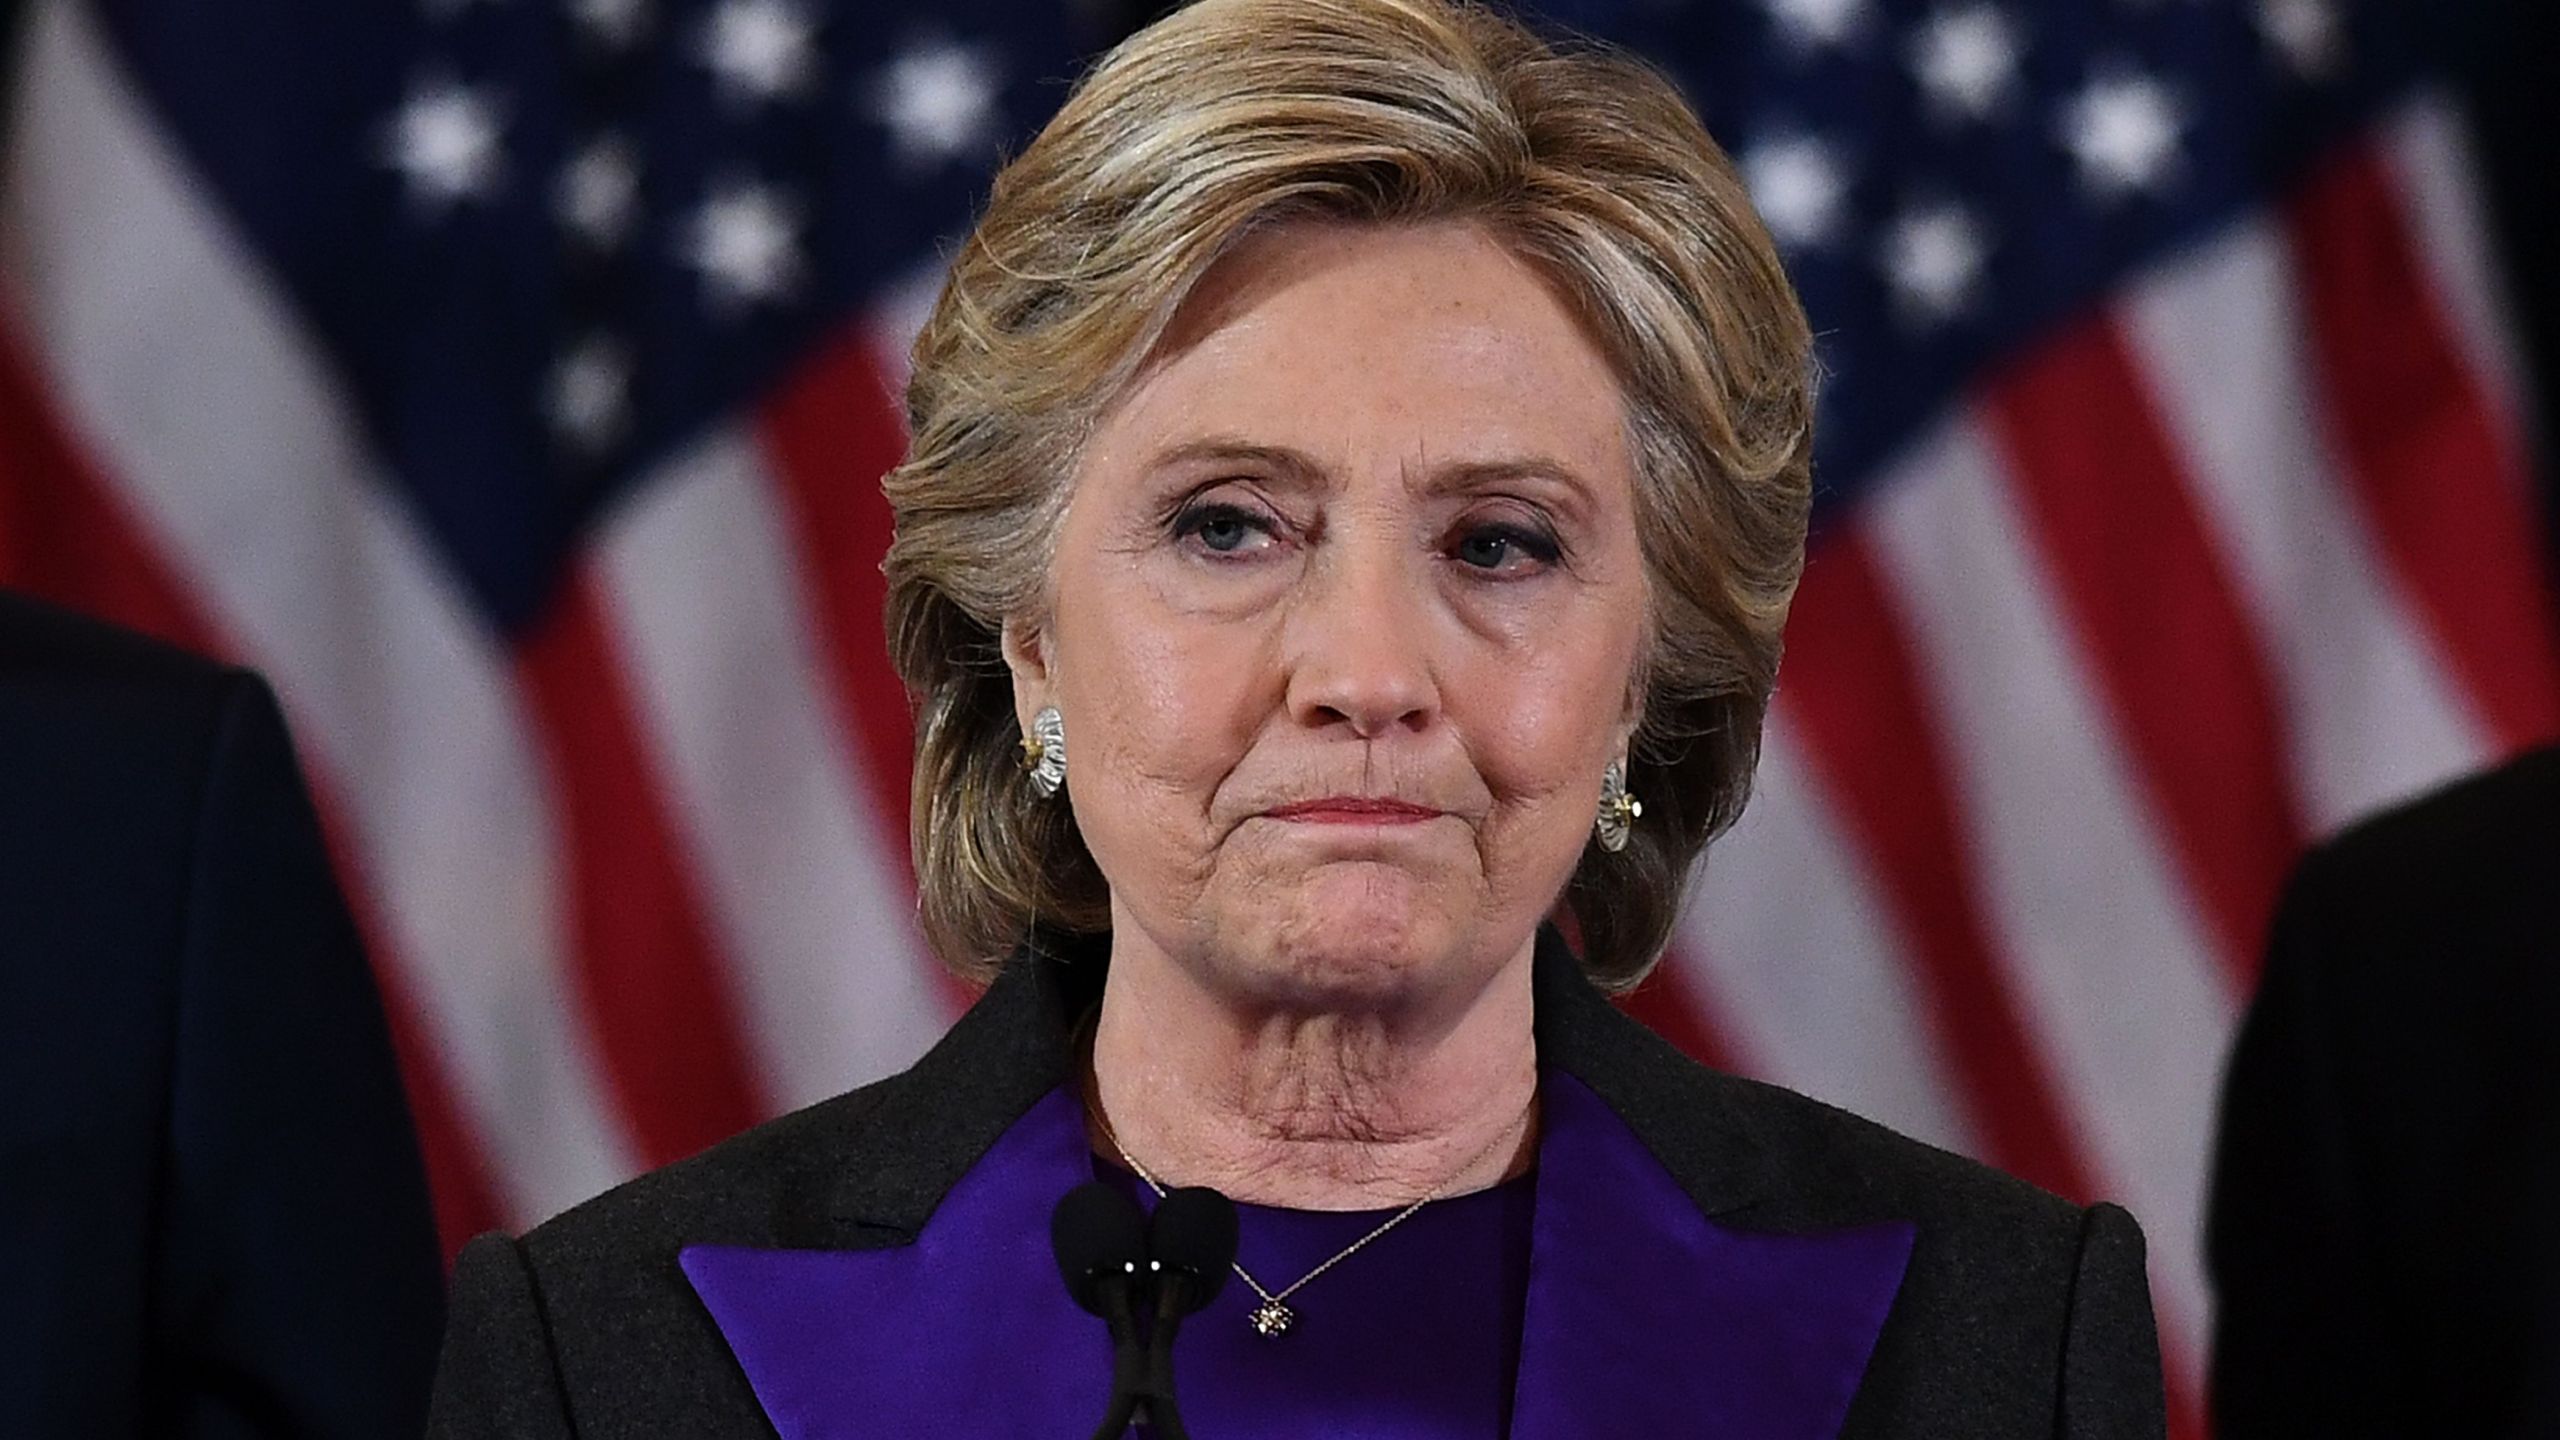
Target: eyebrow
(1296,464)
(1452,478)
(1471,474)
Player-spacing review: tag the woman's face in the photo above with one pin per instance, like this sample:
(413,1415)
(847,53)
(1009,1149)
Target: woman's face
(1344,615)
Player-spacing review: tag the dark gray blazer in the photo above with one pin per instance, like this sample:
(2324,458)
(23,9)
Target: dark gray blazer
(2018,1315)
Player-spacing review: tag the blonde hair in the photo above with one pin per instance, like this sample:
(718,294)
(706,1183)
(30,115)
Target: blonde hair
(1235,115)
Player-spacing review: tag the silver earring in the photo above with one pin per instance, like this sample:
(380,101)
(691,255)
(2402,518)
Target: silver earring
(1619,810)
(1044,751)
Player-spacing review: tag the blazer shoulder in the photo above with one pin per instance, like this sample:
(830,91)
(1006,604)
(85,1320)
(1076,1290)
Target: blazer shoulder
(2430,920)
(2019,1312)
(1771,1156)
(1823,1165)
(38,640)
(865,1168)
(122,714)
(1768,1156)
(2493,829)
(1995,1289)
(588,1324)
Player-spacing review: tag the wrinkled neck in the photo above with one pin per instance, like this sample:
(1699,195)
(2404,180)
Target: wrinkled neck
(1352,1108)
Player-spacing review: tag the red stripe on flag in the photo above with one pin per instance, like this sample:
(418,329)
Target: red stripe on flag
(659,1004)
(1851,690)
(831,433)
(65,536)
(1671,1007)
(2436,476)
(2185,1402)
(2158,617)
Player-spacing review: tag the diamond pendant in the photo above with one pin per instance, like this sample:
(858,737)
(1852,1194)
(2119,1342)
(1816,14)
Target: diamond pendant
(1271,1319)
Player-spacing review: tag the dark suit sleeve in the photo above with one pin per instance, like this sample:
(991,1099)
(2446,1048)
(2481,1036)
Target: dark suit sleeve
(297,1290)
(2296,1348)
(2110,1352)
(499,1379)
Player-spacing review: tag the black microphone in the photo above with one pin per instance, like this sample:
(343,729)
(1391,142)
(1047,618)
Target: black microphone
(1100,1241)
(1192,1242)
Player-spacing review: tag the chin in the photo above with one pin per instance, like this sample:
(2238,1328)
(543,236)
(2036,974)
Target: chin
(1348,941)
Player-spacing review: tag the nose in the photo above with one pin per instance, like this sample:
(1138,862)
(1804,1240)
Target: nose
(1359,636)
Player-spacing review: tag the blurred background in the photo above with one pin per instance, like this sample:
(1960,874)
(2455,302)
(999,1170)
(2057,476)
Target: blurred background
(508,381)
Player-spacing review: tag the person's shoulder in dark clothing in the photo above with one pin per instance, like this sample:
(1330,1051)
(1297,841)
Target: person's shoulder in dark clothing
(2379,1240)
(2476,852)
(213,1219)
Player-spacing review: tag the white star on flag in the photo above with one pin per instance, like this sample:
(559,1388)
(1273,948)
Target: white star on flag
(939,102)
(615,22)
(1818,23)
(760,49)
(743,242)
(1933,257)
(1966,60)
(2306,32)
(600,191)
(589,397)
(445,141)
(1797,185)
(2123,129)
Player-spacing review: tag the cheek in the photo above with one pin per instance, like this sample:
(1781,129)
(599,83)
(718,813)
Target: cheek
(1164,702)
(1548,721)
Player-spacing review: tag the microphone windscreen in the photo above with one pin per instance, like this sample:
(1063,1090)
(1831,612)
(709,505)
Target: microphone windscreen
(1194,1229)
(1096,1231)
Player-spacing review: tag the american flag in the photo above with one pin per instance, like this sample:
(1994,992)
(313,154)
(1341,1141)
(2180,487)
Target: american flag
(508,380)
(2173,511)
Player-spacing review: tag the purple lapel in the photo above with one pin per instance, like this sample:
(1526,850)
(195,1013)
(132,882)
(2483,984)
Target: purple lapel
(967,1331)
(1644,1317)
(1647,1318)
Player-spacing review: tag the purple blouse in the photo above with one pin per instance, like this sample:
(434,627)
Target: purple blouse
(1417,1335)
(1637,1315)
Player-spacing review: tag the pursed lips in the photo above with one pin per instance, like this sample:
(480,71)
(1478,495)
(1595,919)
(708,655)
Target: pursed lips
(1354,810)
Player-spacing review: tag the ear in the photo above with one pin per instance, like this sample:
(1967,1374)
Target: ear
(1622,736)
(1026,655)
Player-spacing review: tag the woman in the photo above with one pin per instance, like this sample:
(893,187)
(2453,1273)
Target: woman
(1359,474)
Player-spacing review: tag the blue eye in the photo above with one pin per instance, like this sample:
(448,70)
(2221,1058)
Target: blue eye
(1222,529)
(1223,532)
(1503,547)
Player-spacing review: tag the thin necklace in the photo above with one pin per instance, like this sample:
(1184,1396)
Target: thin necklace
(1271,1319)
